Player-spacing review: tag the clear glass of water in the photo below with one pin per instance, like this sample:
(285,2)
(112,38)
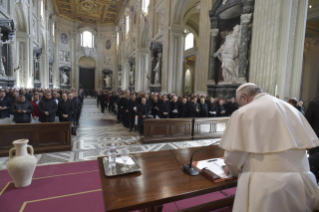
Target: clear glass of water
(125,158)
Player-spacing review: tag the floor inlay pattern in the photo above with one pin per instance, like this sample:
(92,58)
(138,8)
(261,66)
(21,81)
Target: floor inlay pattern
(94,141)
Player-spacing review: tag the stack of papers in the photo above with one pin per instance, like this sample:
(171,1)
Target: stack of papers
(215,165)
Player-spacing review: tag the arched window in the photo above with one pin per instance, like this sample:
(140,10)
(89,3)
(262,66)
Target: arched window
(127,24)
(145,5)
(87,39)
(189,41)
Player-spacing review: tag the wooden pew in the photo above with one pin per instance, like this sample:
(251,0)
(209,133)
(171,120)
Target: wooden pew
(209,127)
(167,130)
(183,129)
(43,137)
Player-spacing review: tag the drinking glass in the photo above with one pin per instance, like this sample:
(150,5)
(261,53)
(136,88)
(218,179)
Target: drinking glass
(125,157)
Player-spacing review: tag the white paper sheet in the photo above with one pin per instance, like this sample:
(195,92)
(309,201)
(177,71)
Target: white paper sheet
(128,162)
(215,165)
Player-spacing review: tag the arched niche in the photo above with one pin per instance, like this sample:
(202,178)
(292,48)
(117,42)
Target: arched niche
(20,18)
(87,75)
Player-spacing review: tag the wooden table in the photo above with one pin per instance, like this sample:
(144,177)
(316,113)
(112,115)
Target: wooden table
(161,181)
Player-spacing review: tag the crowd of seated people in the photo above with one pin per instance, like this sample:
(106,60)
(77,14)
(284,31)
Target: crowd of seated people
(128,105)
(41,105)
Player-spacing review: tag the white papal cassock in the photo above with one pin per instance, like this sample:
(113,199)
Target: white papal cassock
(265,143)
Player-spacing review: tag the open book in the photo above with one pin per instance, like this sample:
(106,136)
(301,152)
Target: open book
(213,169)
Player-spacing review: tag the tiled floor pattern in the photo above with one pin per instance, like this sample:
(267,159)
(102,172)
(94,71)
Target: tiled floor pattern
(94,141)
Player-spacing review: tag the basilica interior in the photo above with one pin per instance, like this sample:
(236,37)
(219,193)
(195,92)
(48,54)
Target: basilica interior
(182,48)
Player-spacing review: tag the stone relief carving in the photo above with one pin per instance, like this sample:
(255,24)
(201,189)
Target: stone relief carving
(228,55)
(34,27)
(161,17)
(64,56)
(108,61)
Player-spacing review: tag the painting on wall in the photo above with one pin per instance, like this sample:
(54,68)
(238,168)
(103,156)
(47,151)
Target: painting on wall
(64,38)
(108,44)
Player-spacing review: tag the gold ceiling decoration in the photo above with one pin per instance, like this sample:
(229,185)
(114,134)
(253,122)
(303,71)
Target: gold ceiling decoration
(89,11)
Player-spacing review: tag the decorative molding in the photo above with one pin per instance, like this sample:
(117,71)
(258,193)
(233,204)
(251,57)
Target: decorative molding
(214,32)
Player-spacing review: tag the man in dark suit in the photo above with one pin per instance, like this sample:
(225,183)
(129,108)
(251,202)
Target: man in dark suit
(65,109)
(132,111)
(231,107)
(174,108)
(155,107)
(142,112)
(203,109)
(312,115)
(165,107)
(47,109)
(4,106)
(193,108)
(212,108)
(183,109)
(126,111)
(22,110)
(221,109)
(103,101)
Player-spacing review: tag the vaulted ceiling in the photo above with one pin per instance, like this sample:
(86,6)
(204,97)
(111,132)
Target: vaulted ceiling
(89,11)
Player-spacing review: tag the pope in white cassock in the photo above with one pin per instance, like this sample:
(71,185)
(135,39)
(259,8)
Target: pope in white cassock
(265,145)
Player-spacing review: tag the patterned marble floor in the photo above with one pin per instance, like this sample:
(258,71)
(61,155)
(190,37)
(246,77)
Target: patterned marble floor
(95,135)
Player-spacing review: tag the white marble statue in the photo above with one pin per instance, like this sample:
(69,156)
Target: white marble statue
(131,78)
(51,75)
(120,79)
(107,80)
(228,55)
(65,78)
(3,71)
(156,70)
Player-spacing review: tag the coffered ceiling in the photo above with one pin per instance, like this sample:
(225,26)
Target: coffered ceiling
(89,11)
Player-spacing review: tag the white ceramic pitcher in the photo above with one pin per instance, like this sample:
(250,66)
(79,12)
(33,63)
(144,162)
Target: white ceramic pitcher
(21,166)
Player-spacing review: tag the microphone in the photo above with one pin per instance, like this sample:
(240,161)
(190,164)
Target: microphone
(189,168)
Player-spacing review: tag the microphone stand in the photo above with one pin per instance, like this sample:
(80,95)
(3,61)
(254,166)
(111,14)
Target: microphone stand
(189,168)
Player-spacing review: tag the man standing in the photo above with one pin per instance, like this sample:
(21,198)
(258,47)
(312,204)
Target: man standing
(193,108)
(4,106)
(133,110)
(65,110)
(47,109)
(142,112)
(203,110)
(165,108)
(174,108)
(183,109)
(268,152)
(35,103)
(103,101)
(22,110)
(212,108)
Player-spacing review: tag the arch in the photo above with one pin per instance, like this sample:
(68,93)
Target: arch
(20,17)
(179,9)
(144,37)
(87,62)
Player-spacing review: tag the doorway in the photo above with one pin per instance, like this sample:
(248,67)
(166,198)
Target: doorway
(87,78)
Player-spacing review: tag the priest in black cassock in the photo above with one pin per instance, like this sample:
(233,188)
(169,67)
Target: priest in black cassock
(165,107)
(142,112)
(203,109)
(212,108)
(183,109)
(155,107)
(193,108)
(125,111)
(174,108)
(65,109)
(132,111)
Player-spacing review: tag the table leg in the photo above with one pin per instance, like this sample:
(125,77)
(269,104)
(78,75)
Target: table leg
(152,209)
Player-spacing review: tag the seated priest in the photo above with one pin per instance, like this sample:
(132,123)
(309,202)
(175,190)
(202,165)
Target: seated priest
(174,108)
(267,151)
(47,108)
(22,110)
(4,106)
(165,107)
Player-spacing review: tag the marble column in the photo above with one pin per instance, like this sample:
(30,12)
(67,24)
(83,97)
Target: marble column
(212,60)
(243,51)
(10,61)
(202,59)
(278,35)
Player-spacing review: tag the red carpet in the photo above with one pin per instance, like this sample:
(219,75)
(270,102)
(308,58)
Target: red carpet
(71,187)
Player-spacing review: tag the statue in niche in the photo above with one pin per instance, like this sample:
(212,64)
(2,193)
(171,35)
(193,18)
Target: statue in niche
(65,78)
(120,79)
(156,70)
(3,71)
(228,55)
(107,80)
(131,78)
